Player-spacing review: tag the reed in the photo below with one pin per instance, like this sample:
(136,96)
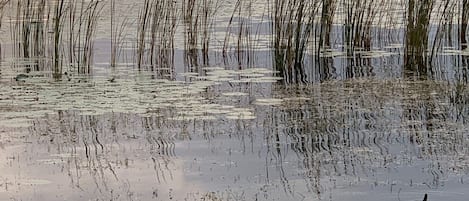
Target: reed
(3,3)
(198,16)
(241,34)
(444,26)
(63,31)
(464,22)
(41,32)
(358,22)
(29,30)
(59,13)
(163,30)
(143,22)
(417,34)
(236,10)
(113,37)
(72,30)
(80,18)
(91,15)
(293,23)
(118,30)
(208,12)
(156,32)
(327,19)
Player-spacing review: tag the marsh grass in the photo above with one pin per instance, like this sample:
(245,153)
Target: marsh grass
(59,12)
(306,36)
(417,35)
(43,29)
(3,3)
(444,27)
(143,21)
(293,25)
(88,24)
(156,32)
(163,30)
(198,18)
(358,23)
(119,27)
(464,22)
(29,31)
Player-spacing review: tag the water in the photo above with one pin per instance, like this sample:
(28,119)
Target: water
(219,127)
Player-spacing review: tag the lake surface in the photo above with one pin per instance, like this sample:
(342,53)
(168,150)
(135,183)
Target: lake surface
(225,126)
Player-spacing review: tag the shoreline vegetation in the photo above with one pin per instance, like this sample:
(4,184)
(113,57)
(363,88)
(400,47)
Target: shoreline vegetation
(304,36)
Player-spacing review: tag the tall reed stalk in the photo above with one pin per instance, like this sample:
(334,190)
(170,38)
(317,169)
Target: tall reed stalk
(198,16)
(156,32)
(207,11)
(293,23)
(358,22)
(464,22)
(30,29)
(143,22)
(417,34)
(3,3)
(444,26)
(118,30)
(40,31)
(242,33)
(59,13)
(91,15)
(327,19)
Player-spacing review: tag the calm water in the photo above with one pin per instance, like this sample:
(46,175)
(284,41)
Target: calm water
(364,127)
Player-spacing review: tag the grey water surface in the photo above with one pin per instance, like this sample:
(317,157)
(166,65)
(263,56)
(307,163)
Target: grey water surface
(220,127)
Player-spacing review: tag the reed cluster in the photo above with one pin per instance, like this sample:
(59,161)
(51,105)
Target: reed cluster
(464,21)
(3,3)
(360,17)
(198,18)
(44,29)
(157,22)
(242,36)
(294,24)
(63,31)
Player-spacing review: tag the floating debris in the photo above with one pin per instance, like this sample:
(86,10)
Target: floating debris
(268,101)
(34,182)
(235,94)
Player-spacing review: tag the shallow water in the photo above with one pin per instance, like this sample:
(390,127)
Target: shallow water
(219,127)
(360,139)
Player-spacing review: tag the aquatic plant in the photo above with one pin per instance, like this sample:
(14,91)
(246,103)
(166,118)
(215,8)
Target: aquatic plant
(293,24)
(59,13)
(143,20)
(43,30)
(464,22)
(242,36)
(417,30)
(444,26)
(198,16)
(163,30)
(307,38)
(3,3)
(358,22)
(88,22)
(156,32)
(327,19)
